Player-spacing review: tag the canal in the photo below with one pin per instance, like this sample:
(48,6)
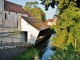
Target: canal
(49,51)
(46,45)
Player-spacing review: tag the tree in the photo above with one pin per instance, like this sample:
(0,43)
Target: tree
(68,22)
(59,3)
(35,10)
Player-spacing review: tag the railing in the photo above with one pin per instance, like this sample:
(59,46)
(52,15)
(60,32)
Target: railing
(7,31)
(11,41)
(6,40)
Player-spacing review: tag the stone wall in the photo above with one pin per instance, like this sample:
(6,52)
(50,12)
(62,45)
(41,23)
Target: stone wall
(11,39)
(8,53)
(1,11)
(11,19)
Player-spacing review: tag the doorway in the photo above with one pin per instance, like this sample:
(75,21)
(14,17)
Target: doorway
(24,36)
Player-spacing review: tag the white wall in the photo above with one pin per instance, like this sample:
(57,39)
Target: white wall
(32,32)
(50,23)
(25,15)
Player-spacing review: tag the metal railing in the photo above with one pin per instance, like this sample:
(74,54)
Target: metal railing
(11,41)
(6,40)
(7,31)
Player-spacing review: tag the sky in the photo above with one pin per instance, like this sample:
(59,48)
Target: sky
(49,13)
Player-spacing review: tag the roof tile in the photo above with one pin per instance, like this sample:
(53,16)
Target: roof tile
(36,23)
(9,6)
(29,14)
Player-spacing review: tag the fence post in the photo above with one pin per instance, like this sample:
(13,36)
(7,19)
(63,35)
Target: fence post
(20,41)
(12,41)
(1,42)
(25,43)
(9,30)
(75,43)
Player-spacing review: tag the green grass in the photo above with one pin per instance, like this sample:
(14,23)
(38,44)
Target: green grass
(27,55)
(60,54)
(65,55)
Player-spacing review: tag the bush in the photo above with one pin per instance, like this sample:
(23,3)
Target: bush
(65,55)
(28,55)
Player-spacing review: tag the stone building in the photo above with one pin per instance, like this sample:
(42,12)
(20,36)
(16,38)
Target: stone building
(9,13)
(14,16)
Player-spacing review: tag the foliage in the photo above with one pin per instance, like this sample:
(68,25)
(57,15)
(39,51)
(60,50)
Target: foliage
(48,3)
(52,30)
(28,55)
(65,55)
(53,39)
(68,26)
(59,3)
(35,10)
(15,31)
(68,23)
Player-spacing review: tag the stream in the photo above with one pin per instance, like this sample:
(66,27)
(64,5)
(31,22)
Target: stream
(49,51)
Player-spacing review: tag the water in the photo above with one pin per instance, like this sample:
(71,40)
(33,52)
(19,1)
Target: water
(48,50)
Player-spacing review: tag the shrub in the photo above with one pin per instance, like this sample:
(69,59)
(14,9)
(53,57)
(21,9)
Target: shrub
(28,55)
(65,55)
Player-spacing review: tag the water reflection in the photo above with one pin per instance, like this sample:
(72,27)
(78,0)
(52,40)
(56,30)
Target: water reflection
(48,50)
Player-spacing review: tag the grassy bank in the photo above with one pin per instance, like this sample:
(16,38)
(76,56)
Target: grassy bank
(66,55)
(28,55)
(60,54)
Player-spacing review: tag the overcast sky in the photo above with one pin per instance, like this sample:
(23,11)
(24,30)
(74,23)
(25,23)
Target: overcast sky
(49,13)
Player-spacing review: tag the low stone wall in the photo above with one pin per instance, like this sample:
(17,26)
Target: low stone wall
(8,53)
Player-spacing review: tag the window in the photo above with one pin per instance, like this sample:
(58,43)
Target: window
(9,12)
(15,18)
(5,16)
(16,13)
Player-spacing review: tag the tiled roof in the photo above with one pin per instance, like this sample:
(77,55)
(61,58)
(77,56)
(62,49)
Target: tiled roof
(50,20)
(9,6)
(29,14)
(36,23)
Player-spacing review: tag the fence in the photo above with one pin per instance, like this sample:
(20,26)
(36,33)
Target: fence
(7,31)
(10,37)
(11,41)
